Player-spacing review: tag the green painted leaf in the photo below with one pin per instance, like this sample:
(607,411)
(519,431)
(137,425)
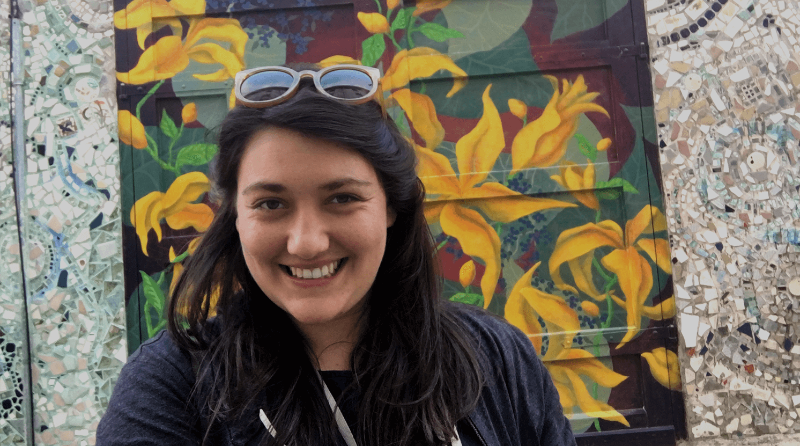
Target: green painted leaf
(439,33)
(484,24)
(402,19)
(607,194)
(196,154)
(587,148)
(617,183)
(575,16)
(510,69)
(469,299)
(372,49)
(152,291)
(167,126)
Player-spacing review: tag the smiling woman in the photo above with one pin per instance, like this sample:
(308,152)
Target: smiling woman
(329,326)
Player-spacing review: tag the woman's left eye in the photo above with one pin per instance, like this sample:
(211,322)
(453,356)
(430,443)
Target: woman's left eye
(343,198)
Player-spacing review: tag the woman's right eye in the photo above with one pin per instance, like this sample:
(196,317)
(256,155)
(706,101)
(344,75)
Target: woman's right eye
(271,204)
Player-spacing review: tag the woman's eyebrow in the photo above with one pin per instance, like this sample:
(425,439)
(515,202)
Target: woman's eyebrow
(264,187)
(342,182)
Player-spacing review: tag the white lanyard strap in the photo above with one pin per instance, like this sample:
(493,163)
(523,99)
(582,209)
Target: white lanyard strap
(344,429)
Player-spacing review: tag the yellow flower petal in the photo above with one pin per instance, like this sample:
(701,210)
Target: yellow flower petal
(641,224)
(195,215)
(422,114)
(544,141)
(141,12)
(142,216)
(518,108)
(177,269)
(580,182)
(561,320)
(581,269)
(466,274)
(566,397)
(391,4)
(144,31)
(424,6)
(664,367)
(636,280)
(478,240)
(185,189)
(210,53)
(222,30)
(131,130)
(374,22)
(577,242)
(163,60)
(665,310)
(418,63)
(526,144)
(591,406)
(585,364)
(337,60)
(189,7)
(189,113)
(658,250)
(478,150)
(520,314)
(433,209)
(604,144)
(505,205)
(590,308)
(436,173)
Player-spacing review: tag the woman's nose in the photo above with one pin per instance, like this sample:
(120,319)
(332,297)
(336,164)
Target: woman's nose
(308,235)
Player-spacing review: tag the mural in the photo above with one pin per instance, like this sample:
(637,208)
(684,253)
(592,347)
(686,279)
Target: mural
(535,145)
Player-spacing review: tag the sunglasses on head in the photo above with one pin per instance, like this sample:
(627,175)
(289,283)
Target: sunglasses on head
(268,86)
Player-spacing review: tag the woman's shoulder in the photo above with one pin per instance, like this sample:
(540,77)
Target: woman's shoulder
(486,326)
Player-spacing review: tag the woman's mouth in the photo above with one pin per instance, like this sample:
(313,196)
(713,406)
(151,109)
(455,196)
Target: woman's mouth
(325,271)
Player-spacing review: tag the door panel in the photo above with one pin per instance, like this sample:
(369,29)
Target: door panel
(537,116)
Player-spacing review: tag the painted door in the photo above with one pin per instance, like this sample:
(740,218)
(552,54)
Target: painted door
(533,124)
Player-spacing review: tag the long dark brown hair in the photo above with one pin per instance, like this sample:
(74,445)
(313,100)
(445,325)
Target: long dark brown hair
(416,369)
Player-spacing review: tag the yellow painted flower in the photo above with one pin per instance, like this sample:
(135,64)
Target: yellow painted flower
(604,144)
(175,206)
(424,6)
(189,113)
(337,60)
(374,22)
(518,108)
(422,113)
(467,273)
(177,270)
(664,367)
(576,248)
(566,365)
(590,308)
(171,55)
(131,130)
(391,4)
(139,15)
(580,182)
(419,63)
(543,142)
(476,154)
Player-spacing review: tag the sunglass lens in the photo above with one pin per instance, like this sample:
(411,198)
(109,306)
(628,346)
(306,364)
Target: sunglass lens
(266,85)
(347,83)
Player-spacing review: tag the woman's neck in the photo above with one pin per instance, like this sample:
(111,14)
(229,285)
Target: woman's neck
(332,343)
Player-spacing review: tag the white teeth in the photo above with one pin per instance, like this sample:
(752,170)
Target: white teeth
(316,273)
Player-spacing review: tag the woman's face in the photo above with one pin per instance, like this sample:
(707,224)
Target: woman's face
(312,219)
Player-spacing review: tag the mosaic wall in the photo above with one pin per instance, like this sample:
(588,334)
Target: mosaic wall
(12,319)
(72,246)
(726,74)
